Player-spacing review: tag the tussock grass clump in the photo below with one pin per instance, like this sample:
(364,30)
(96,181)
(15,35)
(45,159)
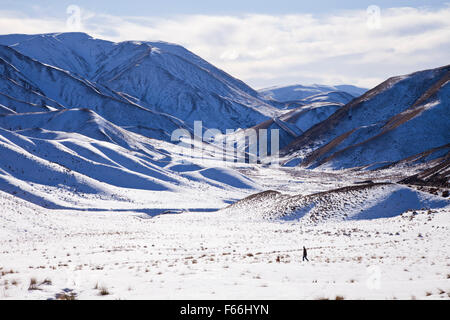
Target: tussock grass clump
(103,291)
(66,296)
(4,273)
(33,284)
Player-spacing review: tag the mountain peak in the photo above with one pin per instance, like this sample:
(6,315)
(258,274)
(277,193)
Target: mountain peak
(158,76)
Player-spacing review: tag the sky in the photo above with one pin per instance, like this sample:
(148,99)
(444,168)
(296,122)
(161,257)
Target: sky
(264,43)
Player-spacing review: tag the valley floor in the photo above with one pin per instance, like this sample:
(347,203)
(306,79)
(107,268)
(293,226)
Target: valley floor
(50,254)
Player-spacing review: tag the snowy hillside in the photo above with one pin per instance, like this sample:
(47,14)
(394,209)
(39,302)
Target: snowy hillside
(52,158)
(401,117)
(435,173)
(371,201)
(157,76)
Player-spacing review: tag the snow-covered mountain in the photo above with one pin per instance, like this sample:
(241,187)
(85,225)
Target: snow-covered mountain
(76,115)
(153,88)
(338,93)
(399,118)
(151,83)
(27,85)
(293,123)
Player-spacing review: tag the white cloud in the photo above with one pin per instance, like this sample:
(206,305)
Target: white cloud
(281,49)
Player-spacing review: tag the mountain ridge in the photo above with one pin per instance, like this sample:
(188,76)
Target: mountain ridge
(158,76)
(404,101)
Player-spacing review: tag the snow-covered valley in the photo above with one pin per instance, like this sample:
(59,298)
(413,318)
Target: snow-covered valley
(190,244)
(97,202)
(126,254)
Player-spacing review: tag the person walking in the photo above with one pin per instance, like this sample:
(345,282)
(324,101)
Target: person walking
(305,254)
